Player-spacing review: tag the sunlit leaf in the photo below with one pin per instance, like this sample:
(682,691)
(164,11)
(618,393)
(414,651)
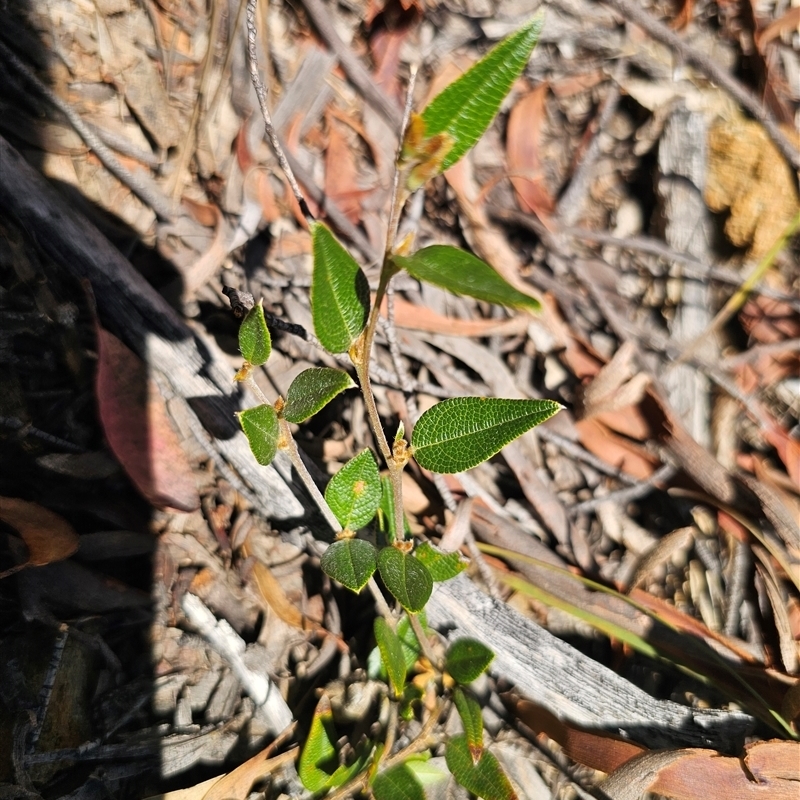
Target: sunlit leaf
(354,492)
(260,426)
(312,390)
(442,566)
(406,578)
(466,659)
(465,108)
(485,778)
(397,783)
(462,273)
(469,710)
(392,654)
(460,433)
(339,292)
(254,339)
(352,562)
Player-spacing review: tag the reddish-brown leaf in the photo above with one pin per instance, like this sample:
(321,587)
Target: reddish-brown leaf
(138,429)
(341,174)
(599,751)
(48,536)
(523,146)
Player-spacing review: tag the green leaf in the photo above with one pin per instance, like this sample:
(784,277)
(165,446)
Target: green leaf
(460,433)
(465,108)
(254,339)
(470,712)
(391,654)
(485,778)
(386,513)
(312,390)
(352,562)
(319,766)
(408,639)
(354,492)
(260,426)
(426,773)
(397,783)
(442,566)
(466,659)
(462,273)
(406,578)
(339,292)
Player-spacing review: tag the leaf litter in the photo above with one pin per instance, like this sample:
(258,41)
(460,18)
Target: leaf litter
(165,87)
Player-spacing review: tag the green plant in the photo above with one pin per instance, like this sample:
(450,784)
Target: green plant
(452,436)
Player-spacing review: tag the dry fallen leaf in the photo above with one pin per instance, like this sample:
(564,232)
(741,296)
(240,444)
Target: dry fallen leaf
(341,174)
(138,429)
(48,536)
(523,146)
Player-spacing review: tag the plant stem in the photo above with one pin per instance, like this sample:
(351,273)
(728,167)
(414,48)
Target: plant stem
(290,446)
(424,644)
(399,196)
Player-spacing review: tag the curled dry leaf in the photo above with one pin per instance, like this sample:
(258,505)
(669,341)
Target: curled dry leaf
(138,429)
(48,536)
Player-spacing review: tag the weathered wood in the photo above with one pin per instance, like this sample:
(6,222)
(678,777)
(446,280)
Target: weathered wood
(571,685)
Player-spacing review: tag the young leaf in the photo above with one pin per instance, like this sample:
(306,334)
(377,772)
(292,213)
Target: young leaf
(391,654)
(354,492)
(466,659)
(467,106)
(386,513)
(339,292)
(442,566)
(260,426)
(312,390)
(470,712)
(352,562)
(406,578)
(397,783)
(254,339)
(462,273)
(460,433)
(485,778)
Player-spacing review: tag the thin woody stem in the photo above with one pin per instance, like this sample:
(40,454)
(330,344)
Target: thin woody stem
(399,196)
(269,128)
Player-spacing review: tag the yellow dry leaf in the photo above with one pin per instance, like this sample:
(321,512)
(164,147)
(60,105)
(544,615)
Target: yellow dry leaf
(748,175)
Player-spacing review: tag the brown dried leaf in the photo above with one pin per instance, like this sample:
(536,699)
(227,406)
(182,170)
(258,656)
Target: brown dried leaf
(341,174)
(523,145)
(599,751)
(420,318)
(136,423)
(271,591)
(615,450)
(239,782)
(48,536)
